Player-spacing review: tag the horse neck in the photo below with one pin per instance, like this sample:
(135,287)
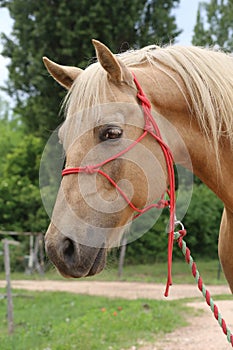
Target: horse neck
(215,173)
(169,102)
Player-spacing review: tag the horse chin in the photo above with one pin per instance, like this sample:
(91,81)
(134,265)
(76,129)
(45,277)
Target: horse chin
(74,260)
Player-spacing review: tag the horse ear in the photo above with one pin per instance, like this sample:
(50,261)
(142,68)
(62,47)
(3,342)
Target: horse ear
(116,69)
(64,75)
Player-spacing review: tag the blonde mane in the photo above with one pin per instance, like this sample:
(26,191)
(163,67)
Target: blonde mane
(207,76)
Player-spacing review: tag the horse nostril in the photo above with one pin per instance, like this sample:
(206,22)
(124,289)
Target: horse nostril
(68,250)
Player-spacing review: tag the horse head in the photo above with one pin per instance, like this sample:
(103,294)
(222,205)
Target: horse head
(117,169)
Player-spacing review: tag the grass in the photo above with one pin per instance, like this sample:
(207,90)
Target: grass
(154,273)
(63,321)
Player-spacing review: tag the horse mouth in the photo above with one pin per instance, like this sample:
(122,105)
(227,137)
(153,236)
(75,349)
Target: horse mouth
(97,266)
(76,261)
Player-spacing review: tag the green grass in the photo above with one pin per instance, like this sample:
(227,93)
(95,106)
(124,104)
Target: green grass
(63,321)
(154,273)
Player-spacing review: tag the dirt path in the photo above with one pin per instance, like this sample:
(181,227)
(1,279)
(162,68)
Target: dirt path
(127,290)
(202,333)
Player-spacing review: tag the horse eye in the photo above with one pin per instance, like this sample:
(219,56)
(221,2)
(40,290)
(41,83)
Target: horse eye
(111,133)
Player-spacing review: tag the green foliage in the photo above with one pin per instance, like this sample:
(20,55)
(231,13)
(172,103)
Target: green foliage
(202,223)
(156,23)
(11,132)
(152,246)
(67,321)
(20,203)
(214,26)
(63,31)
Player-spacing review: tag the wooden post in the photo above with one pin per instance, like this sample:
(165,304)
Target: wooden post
(122,257)
(41,253)
(37,264)
(6,244)
(31,255)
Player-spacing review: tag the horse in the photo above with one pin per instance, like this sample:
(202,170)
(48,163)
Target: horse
(190,90)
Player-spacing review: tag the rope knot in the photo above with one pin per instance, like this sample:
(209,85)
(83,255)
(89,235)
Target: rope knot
(89,169)
(163,203)
(148,127)
(182,233)
(144,100)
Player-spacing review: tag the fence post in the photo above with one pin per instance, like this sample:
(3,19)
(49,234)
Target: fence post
(31,255)
(41,253)
(122,257)
(6,244)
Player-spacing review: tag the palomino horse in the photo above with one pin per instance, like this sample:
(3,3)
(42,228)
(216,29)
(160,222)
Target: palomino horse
(189,88)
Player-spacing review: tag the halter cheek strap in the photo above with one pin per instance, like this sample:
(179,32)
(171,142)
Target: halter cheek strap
(150,127)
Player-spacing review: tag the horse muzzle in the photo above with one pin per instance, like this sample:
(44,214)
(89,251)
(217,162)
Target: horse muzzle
(73,259)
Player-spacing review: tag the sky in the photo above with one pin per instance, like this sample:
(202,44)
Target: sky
(185,18)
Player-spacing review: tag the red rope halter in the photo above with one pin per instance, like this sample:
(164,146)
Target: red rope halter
(151,128)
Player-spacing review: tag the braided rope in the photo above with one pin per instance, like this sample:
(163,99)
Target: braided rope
(187,254)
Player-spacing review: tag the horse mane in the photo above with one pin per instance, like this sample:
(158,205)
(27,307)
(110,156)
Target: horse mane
(208,78)
(207,75)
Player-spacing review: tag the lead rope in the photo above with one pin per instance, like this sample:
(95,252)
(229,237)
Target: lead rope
(178,236)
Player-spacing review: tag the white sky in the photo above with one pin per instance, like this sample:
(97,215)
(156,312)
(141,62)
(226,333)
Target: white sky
(185,18)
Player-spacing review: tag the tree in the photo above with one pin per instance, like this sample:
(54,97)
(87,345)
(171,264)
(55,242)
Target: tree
(152,246)
(214,26)
(157,24)
(11,131)
(20,202)
(63,30)
(202,222)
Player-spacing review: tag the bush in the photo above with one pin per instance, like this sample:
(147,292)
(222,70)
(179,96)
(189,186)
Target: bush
(202,223)
(20,202)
